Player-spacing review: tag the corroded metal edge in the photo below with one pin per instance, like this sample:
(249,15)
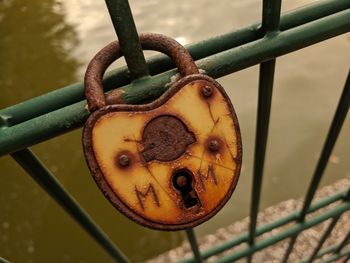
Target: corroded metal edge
(106,56)
(106,188)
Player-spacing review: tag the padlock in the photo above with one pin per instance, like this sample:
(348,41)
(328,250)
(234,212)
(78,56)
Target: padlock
(170,164)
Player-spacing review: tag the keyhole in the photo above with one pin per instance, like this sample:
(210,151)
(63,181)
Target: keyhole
(182,181)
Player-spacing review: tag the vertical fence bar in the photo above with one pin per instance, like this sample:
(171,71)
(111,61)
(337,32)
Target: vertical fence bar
(337,123)
(324,238)
(322,252)
(347,259)
(333,133)
(124,25)
(270,24)
(32,165)
(194,245)
(336,257)
(343,243)
(290,248)
(271,15)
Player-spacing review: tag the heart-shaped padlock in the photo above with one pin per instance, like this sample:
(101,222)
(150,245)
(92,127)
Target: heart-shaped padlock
(170,164)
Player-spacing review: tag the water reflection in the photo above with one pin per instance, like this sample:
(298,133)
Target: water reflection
(45,45)
(39,54)
(36,45)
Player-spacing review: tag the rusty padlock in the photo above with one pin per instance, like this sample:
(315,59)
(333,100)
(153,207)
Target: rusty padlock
(170,164)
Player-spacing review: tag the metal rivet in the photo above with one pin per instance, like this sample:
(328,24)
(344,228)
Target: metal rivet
(207,91)
(124,160)
(214,145)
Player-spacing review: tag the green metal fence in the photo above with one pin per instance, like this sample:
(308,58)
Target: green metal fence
(63,110)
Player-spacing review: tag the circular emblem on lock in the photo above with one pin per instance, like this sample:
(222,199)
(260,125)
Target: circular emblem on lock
(173,163)
(165,138)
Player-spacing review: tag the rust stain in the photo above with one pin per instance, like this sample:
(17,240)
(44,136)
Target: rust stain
(105,57)
(211,114)
(170,134)
(212,162)
(210,174)
(165,138)
(131,140)
(228,147)
(217,139)
(211,131)
(120,156)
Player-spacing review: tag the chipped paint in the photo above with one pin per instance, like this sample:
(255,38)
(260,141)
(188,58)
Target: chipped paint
(120,128)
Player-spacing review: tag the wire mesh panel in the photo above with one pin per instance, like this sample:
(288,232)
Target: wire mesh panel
(63,110)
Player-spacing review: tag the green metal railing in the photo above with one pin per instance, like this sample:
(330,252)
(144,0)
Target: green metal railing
(63,110)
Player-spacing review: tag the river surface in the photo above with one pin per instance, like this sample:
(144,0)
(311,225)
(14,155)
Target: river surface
(46,45)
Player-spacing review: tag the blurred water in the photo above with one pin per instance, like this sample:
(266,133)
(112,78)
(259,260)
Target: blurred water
(47,44)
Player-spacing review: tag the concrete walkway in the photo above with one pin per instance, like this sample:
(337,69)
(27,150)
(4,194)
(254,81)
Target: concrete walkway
(305,244)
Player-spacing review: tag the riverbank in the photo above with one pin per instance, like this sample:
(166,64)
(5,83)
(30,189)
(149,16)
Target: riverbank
(304,245)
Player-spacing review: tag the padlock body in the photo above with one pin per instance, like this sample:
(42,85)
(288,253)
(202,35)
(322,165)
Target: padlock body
(171,164)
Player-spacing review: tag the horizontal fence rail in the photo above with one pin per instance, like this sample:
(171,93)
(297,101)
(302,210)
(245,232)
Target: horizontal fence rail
(39,127)
(244,237)
(63,110)
(329,250)
(74,93)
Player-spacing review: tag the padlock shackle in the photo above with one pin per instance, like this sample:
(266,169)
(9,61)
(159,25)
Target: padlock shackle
(106,56)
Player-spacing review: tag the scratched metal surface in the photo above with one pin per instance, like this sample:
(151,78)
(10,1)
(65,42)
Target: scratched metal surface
(53,50)
(199,136)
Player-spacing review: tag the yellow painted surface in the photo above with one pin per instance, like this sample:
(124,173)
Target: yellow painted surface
(159,201)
